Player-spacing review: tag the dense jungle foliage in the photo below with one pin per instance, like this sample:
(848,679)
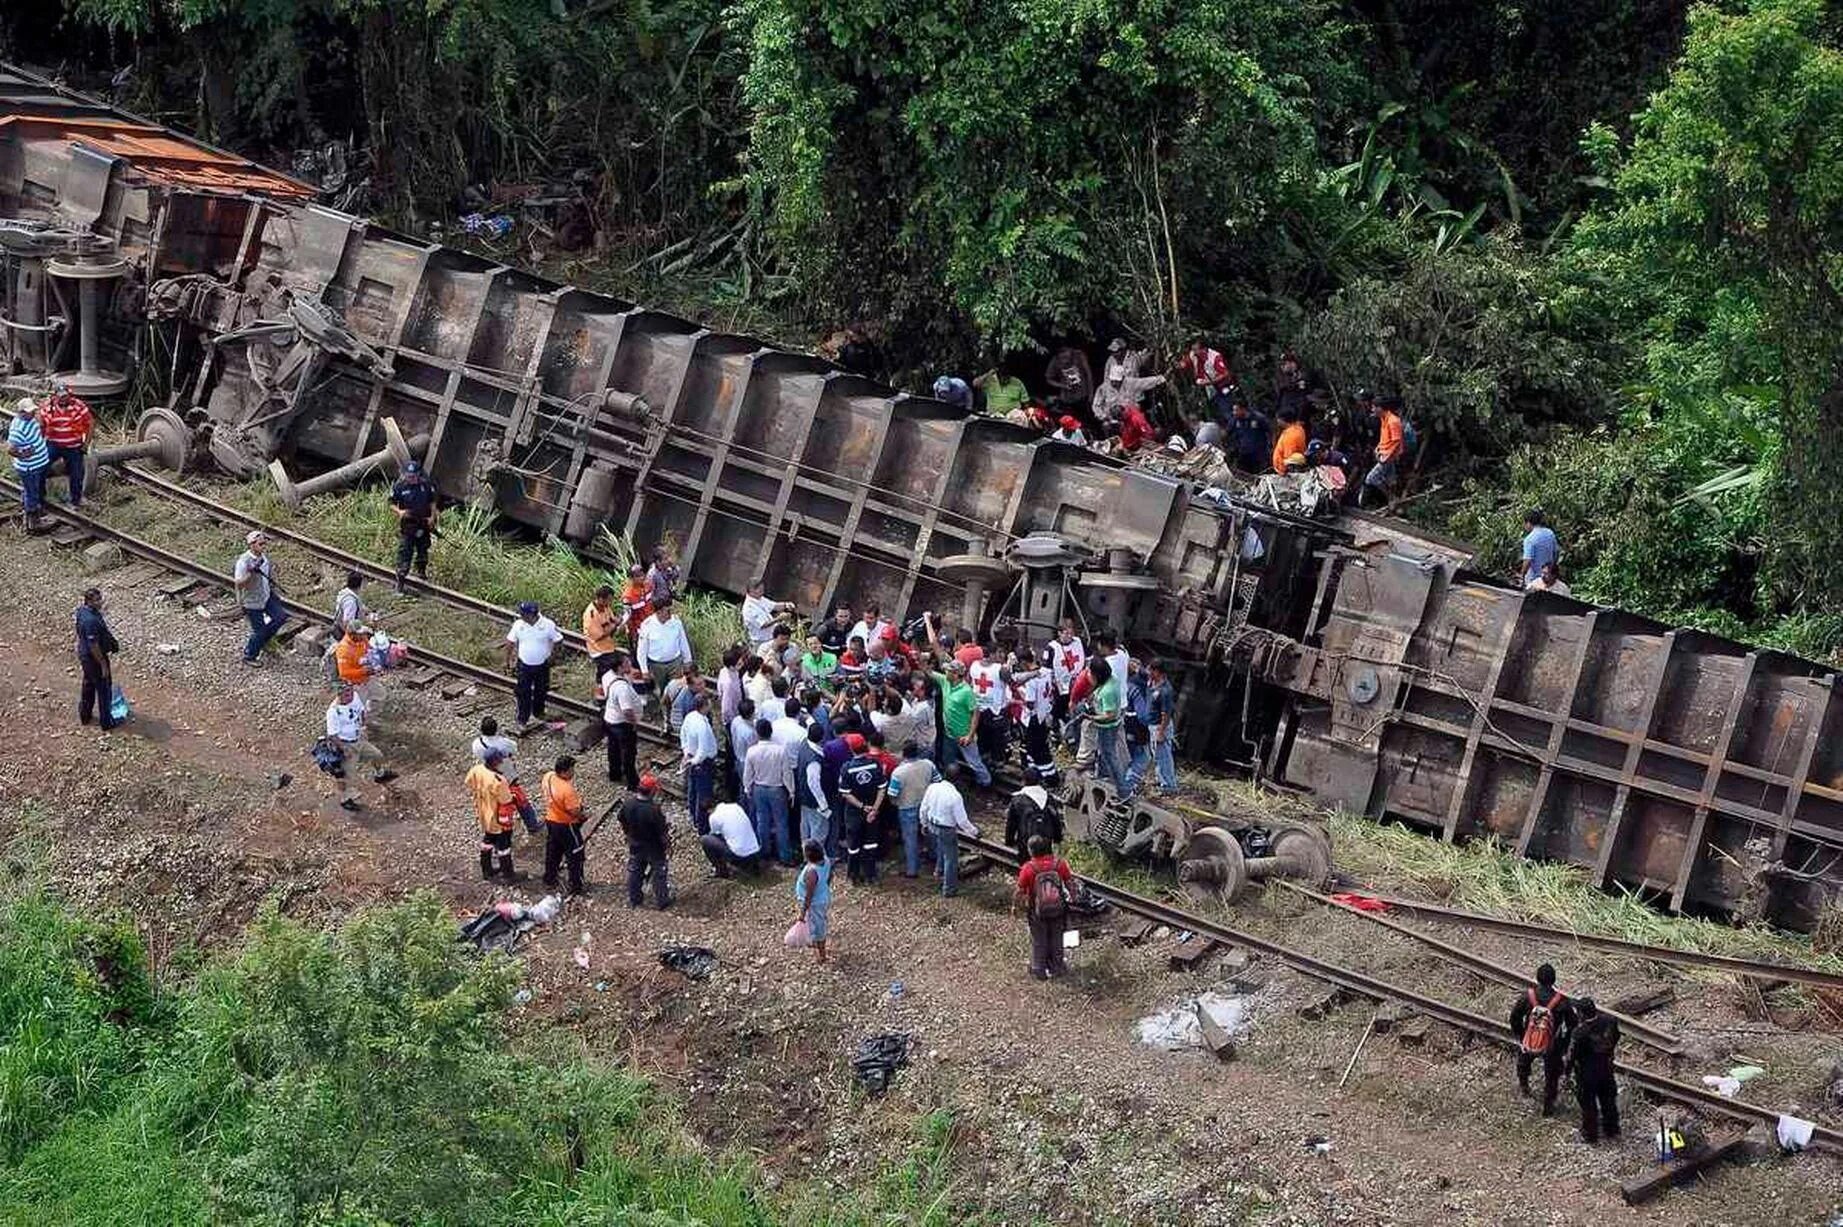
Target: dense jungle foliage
(1595,245)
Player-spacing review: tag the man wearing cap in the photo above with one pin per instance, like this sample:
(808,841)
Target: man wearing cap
(861,785)
(345,724)
(413,497)
(760,613)
(952,390)
(254,576)
(25,442)
(533,637)
(648,839)
(1068,430)
(67,423)
(494,808)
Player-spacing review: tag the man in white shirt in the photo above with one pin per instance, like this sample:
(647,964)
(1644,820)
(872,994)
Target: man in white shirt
(789,732)
(345,725)
(1066,657)
(764,783)
(991,683)
(870,627)
(731,843)
(529,644)
(621,710)
(760,613)
(663,650)
(699,743)
(492,740)
(348,608)
(943,816)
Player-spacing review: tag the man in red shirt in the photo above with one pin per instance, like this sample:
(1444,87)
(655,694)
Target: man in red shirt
(1043,888)
(67,424)
(1134,428)
(1211,371)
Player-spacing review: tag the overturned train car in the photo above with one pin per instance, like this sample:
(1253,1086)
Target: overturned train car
(1353,660)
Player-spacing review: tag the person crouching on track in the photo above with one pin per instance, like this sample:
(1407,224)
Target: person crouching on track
(1043,888)
(731,843)
(494,807)
(1542,1020)
(563,843)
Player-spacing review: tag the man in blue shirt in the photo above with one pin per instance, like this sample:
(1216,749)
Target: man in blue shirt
(25,442)
(413,497)
(1161,704)
(1540,549)
(95,644)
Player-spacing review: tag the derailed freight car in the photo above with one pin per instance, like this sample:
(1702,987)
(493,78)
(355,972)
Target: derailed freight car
(1352,659)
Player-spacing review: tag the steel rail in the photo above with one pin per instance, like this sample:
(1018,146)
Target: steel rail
(1494,1030)
(331,553)
(1655,1037)
(1758,968)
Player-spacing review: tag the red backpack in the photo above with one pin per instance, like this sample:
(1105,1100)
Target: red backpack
(1539,1028)
(1049,895)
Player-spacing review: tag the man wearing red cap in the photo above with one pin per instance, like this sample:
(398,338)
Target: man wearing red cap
(1068,430)
(648,840)
(861,783)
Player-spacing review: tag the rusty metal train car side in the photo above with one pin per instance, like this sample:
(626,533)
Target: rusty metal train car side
(1356,661)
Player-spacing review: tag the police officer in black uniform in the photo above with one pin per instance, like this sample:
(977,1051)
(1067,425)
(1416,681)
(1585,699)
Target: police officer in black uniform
(414,499)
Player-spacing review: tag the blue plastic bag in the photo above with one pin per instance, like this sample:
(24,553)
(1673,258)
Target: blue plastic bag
(119,708)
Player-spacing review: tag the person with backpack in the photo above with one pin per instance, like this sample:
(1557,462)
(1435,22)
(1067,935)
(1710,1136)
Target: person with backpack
(1043,888)
(1543,1020)
(1032,812)
(1591,1056)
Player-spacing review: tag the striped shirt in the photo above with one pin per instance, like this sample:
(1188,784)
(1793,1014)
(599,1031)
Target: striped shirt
(66,422)
(25,435)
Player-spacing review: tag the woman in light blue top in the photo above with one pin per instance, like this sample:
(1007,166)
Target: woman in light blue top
(813,892)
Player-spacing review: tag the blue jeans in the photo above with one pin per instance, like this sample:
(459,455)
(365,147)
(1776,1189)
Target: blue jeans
(815,826)
(73,468)
(947,856)
(969,754)
(700,787)
(1109,749)
(1166,765)
(32,489)
(908,818)
(769,802)
(264,623)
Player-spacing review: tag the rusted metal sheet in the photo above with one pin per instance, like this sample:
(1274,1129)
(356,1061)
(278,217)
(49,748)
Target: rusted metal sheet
(1354,658)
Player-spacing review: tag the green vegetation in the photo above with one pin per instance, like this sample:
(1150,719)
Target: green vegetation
(377,1074)
(1596,245)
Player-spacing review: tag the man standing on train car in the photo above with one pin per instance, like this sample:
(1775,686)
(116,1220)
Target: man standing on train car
(413,498)
(67,423)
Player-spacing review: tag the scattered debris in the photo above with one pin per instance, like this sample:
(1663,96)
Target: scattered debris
(1179,1026)
(1189,953)
(499,928)
(1318,1144)
(1327,1004)
(1138,934)
(1637,1005)
(1216,1037)
(879,1057)
(168,649)
(693,962)
(1389,1016)
(581,953)
(1680,1170)
(1793,1133)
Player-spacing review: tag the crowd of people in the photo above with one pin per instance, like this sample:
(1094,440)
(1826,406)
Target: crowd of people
(1359,450)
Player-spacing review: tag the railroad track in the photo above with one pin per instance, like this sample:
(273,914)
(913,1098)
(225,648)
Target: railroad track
(1352,979)
(1360,982)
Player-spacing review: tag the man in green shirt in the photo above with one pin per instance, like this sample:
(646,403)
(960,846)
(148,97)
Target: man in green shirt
(960,721)
(1109,743)
(1003,393)
(818,665)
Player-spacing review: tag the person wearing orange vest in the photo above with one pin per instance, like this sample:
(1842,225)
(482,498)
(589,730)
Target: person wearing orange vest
(1391,444)
(636,599)
(495,809)
(600,621)
(1290,443)
(67,423)
(563,841)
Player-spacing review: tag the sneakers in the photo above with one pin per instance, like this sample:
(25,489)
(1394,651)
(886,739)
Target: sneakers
(383,777)
(254,662)
(351,805)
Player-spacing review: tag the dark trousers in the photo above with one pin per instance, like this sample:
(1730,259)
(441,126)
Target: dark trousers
(73,469)
(640,862)
(1551,1075)
(413,550)
(726,862)
(563,844)
(1036,742)
(533,691)
(863,846)
(623,741)
(264,623)
(98,692)
(1046,945)
(700,787)
(1598,1094)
